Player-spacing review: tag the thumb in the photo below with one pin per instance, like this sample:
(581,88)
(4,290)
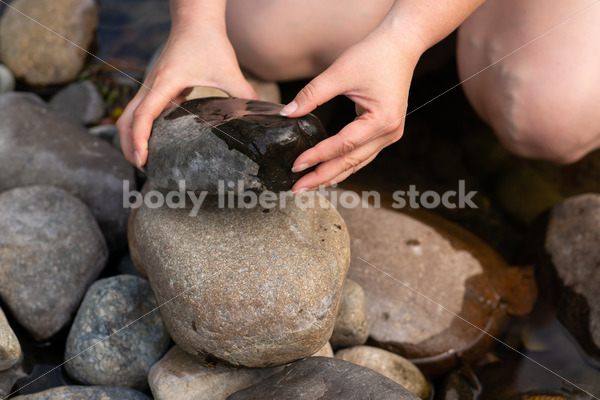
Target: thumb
(318,91)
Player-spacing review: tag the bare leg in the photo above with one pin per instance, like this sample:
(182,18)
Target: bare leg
(291,39)
(544,100)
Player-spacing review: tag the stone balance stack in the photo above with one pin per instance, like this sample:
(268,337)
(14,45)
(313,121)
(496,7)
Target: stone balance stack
(253,287)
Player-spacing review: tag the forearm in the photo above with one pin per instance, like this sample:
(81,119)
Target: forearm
(427,21)
(196,14)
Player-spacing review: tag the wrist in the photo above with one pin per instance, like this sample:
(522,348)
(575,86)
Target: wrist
(193,15)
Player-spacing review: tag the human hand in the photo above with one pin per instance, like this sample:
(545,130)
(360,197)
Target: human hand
(192,57)
(375,74)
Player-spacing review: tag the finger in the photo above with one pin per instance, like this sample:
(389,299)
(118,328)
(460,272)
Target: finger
(328,171)
(124,126)
(347,173)
(348,139)
(144,115)
(321,89)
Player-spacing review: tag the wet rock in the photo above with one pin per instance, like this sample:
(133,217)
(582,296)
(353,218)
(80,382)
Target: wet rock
(394,252)
(10,349)
(126,357)
(230,140)
(180,376)
(351,326)
(393,366)
(572,239)
(325,379)
(38,146)
(325,351)
(7,80)
(52,250)
(87,393)
(254,287)
(39,56)
(81,101)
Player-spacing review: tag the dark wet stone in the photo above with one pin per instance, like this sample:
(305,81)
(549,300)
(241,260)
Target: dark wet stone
(52,250)
(321,378)
(81,101)
(41,147)
(125,358)
(572,239)
(211,139)
(86,393)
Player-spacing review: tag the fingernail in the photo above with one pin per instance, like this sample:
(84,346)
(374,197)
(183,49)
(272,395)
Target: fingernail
(299,168)
(138,160)
(290,108)
(301,190)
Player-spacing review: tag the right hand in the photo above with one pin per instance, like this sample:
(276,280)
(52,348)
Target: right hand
(193,57)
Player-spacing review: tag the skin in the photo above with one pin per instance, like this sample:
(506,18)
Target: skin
(366,51)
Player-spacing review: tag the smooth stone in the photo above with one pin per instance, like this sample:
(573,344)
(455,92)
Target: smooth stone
(39,56)
(321,378)
(180,376)
(105,131)
(38,146)
(325,351)
(7,80)
(86,393)
(351,326)
(80,100)
(209,141)
(446,264)
(9,377)
(572,238)
(125,358)
(389,364)
(10,349)
(52,251)
(252,287)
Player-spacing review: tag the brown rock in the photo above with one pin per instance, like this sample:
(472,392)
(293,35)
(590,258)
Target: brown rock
(351,327)
(10,349)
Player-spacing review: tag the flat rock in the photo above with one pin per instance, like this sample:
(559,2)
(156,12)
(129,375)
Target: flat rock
(38,146)
(86,393)
(80,100)
(180,376)
(351,326)
(572,239)
(36,54)
(399,260)
(126,357)
(214,140)
(52,250)
(254,287)
(389,364)
(10,349)
(321,378)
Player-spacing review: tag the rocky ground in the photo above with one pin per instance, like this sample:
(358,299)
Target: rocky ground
(99,301)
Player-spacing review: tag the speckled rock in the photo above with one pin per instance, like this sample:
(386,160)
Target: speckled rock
(254,287)
(38,146)
(351,326)
(86,393)
(211,140)
(393,366)
(320,378)
(52,250)
(39,56)
(398,260)
(7,80)
(572,239)
(10,349)
(126,357)
(180,376)
(80,100)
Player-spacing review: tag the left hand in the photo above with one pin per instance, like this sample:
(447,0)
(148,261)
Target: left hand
(375,74)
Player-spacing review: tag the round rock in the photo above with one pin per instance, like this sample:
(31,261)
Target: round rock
(10,349)
(393,366)
(321,378)
(7,80)
(39,56)
(180,376)
(210,142)
(80,100)
(254,287)
(125,358)
(351,326)
(52,250)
